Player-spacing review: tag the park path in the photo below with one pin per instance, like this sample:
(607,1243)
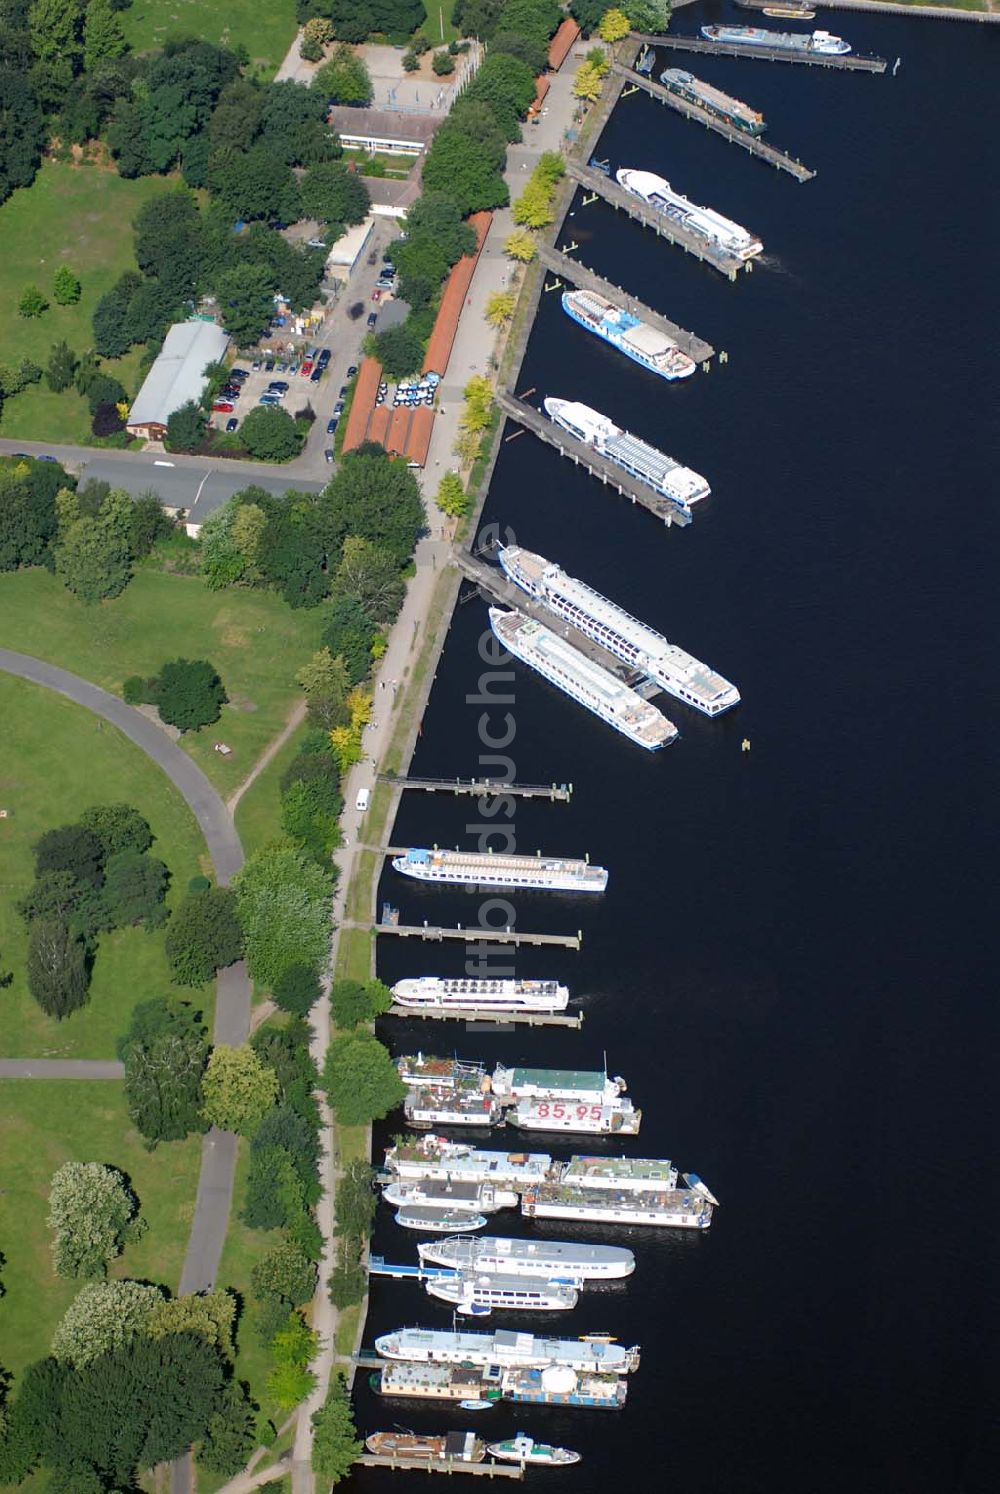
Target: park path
(234,989)
(60,1068)
(296,716)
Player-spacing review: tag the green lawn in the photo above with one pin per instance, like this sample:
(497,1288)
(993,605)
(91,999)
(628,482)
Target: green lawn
(258,814)
(438,28)
(253,638)
(45,1123)
(58,759)
(79,216)
(265,30)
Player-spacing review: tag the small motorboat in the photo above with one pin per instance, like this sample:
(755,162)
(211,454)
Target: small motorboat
(524,1449)
(439,1221)
(483,1405)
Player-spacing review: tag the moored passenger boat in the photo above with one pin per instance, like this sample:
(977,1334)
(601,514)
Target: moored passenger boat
(565,1260)
(674,1208)
(589,684)
(617,1118)
(722,233)
(473,1198)
(438,1158)
(483,869)
(452,1447)
(442,993)
(475,1292)
(438,1221)
(706,96)
(778,41)
(681,486)
(524,1449)
(647,345)
(454,1105)
(670,667)
(508,1349)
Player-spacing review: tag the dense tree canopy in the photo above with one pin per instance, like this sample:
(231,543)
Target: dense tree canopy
(189,693)
(271,435)
(344,79)
(283,901)
(237,1089)
(91,1215)
(374,497)
(165,1051)
(361,1079)
(204,936)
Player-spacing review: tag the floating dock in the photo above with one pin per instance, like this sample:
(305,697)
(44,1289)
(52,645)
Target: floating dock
(475,935)
(598,466)
(483,788)
(442,1465)
(483,1019)
(766,54)
(667,228)
(570,269)
(751,143)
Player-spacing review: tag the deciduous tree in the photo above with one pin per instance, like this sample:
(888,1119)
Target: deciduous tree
(344,79)
(271,435)
(92,1214)
(93,554)
(500,308)
(104,1316)
(237,1089)
(165,1052)
(335,1446)
(209,1315)
(452,499)
(614,25)
(354,1001)
(190,694)
(361,1079)
(230,1434)
(283,904)
(103,37)
(118,827)
(58,970)
(185,428)
(204,935)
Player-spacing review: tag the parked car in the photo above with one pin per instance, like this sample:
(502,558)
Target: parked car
(222,407)
(306,368)
(372,318)
(269,366)
(376,294)
(331,425)
(278,386)
(338,408)
(328,453)
(324,356)
(311,354)
(352,370)
(269,399)
(231,425)
(256,365)
(316,375)
(239,374)
(343,391)
(293,367)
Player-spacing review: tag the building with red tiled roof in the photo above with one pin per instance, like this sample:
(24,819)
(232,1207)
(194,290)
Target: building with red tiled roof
(456,289)
(363,403)
(561,43)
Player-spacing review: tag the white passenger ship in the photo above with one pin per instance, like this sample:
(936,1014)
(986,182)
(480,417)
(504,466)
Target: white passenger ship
(474,1294)
(441,993)
(616,1118)
(676,1208)
(708,224)
(509,1349)
(483,869)
(553,1260)
(632,641)
(451,1106)
(682,486)
(471,1198)
(587,683)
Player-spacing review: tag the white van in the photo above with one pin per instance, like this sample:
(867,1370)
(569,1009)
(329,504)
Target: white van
(361,802)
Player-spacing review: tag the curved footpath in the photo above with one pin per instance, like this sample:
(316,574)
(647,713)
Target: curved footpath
(234,990)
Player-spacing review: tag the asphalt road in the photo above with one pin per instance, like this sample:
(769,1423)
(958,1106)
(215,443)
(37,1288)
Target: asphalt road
(60,1068)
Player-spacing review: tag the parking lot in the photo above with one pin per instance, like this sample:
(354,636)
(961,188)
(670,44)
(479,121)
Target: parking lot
(262,374)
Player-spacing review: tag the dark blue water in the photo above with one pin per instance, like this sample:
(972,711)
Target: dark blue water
(792,963)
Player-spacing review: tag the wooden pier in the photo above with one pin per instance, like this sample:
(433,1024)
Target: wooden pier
(766,54)
(434,933)
(584,456)
(482,788)
(579,275)
(751,143)
(442,1465)
(667,228)
(480,1019)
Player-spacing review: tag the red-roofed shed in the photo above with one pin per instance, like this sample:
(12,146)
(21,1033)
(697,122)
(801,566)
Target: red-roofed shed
(561,43)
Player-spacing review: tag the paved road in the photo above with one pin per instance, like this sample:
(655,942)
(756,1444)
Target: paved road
(60,1068)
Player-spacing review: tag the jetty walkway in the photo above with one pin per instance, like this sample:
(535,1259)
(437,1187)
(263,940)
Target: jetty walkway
(667,228)
(476,1017)
(765,54)
(482,788)
(585,456)
(751,143)
(560,263)
(435,933)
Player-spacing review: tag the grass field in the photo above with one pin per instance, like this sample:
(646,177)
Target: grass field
(256,642)
(438,28)
(44,1124)
(58,759)
(266,31)
(79,216)
(258,814)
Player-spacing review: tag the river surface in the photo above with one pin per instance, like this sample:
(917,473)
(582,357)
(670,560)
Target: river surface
(791,963)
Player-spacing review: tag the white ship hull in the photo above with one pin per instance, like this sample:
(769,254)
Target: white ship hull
(421,1112)
(641,647)
(695,1215)
(485,1199)
(583,681)
(582,1120)
(458,1162)
(512,1295)
(430,992)
(515,1351)
(726,235)
(517,873)
(547,1259)
(681,485)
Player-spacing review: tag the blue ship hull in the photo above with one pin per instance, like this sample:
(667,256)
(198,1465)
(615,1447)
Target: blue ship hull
(613,342)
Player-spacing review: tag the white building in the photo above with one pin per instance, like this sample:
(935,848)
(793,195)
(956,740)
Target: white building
(177,376)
